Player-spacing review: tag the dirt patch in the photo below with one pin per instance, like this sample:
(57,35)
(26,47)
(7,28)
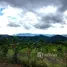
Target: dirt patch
(9,65)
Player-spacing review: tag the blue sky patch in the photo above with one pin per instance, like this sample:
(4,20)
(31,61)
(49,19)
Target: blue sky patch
(1,9)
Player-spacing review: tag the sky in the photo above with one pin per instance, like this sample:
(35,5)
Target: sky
(33,16)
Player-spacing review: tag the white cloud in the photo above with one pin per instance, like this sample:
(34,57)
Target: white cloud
(57,30)
(16,15)
(65,16)
(57,25)
(28,19)
(47,10)
(31,17)
(12,30)
(10,11)
(3,21)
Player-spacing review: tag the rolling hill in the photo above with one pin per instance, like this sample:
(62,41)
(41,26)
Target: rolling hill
(32,37)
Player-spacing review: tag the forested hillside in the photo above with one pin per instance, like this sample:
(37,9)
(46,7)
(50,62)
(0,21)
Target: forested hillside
(34,51)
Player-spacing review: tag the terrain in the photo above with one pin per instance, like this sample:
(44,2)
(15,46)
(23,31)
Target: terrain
(33,51)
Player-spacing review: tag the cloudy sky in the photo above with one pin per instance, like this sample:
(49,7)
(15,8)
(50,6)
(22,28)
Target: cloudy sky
(33,16)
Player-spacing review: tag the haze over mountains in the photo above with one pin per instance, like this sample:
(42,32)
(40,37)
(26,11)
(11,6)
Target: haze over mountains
(35,37)
(31,34)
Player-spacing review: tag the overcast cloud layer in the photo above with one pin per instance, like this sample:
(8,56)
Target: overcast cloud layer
(33,16)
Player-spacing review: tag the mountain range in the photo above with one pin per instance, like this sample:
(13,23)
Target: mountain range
(30,34)
(35,37)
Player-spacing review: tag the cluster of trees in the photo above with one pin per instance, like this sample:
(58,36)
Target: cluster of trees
(13,46)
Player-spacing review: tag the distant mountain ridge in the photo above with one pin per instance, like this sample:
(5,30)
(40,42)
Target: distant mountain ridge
(57,38)
(25,34)
(35,37)
(30,34)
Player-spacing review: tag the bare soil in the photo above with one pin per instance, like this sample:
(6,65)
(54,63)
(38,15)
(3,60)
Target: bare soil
(4,64)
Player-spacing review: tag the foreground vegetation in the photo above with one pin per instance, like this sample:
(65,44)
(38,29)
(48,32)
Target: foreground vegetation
(30,53)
